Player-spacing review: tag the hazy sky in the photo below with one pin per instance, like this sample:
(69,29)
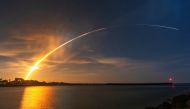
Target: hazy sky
(125,52)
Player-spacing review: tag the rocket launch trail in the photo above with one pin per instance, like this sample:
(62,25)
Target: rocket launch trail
(159,26)
(35,66)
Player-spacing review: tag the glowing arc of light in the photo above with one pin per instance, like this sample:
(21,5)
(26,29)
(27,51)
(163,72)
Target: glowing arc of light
(35,66)
(159,26)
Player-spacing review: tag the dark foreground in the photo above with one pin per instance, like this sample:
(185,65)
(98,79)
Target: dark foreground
(177,102)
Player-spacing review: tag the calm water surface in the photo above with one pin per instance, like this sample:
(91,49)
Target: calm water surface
(86,97)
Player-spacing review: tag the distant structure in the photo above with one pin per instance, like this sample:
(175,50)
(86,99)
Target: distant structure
(18,81)
(171,79)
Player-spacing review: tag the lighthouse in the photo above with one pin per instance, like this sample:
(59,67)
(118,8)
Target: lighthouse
(171,80)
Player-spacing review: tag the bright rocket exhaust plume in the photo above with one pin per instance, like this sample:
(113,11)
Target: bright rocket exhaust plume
(35,66)
(159,26)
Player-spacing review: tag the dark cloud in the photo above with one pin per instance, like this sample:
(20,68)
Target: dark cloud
(6,58)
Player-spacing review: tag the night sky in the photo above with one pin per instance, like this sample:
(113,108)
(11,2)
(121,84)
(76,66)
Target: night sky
(124,52)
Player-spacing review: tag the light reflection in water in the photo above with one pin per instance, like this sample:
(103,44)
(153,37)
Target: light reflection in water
(36,98)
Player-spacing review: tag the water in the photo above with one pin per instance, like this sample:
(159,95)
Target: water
(86,97)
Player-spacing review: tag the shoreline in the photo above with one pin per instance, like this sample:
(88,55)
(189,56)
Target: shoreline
(97,84)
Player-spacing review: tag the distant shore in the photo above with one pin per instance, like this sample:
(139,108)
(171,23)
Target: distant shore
(22,82)
(82,84)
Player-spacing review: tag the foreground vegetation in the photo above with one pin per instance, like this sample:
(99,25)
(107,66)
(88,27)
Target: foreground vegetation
(177,102)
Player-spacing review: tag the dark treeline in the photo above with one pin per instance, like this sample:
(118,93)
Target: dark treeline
(22,82)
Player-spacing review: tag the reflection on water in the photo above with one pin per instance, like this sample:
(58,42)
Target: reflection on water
(36,98)
(85,97)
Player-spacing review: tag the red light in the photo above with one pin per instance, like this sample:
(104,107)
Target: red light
(170,79)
